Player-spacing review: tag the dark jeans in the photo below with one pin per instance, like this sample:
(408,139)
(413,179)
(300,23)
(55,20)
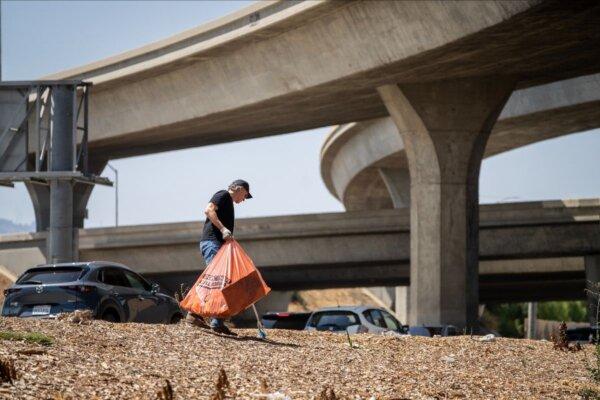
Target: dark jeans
(209,249)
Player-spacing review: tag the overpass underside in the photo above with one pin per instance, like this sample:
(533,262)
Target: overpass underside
(499,287)
(303,65)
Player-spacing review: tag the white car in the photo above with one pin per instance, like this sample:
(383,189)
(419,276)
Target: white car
(354,319)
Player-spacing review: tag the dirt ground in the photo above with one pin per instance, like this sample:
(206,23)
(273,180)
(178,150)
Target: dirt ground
(100,360)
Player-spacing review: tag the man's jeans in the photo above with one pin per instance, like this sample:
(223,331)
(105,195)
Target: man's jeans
(209,249)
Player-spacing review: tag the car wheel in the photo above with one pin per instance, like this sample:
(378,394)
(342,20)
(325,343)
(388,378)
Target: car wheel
(176,318)
(110,316)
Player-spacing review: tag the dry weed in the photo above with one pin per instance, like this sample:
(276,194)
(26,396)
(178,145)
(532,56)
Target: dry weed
(560,340)
(76,317)
(181,293)
(221,384)
(166,392)
(264,386)
(8,373)
(327,394)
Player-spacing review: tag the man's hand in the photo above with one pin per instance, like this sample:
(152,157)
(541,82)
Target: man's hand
(227,235)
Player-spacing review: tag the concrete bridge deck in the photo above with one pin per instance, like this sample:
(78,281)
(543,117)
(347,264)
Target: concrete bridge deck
(278,67)
(529,251)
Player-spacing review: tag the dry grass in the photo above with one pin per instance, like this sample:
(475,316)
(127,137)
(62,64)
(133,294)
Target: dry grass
(134,361)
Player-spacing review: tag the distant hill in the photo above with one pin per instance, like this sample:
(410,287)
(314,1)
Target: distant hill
(7,226)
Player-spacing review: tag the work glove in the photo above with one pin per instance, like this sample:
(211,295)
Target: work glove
(227,235)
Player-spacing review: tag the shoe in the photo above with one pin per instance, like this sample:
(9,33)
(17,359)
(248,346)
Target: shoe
(222,329)
(196,321)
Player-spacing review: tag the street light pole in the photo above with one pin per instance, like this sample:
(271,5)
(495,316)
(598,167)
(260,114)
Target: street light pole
(116,171)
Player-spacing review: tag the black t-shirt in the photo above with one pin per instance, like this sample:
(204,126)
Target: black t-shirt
(222,199)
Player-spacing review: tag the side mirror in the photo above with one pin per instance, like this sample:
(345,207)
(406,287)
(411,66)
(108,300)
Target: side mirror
(155,288)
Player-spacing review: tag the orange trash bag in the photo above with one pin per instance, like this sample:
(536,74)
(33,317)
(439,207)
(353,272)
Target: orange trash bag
(229,284)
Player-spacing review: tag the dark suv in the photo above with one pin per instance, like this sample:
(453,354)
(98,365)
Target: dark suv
(111,291)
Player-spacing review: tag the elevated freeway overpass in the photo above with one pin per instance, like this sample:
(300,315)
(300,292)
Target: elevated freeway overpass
(283,66)
(529,251)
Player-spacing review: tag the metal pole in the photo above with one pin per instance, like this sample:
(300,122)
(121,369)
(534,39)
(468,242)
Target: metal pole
(84,141)
(74,129)
(61,235)
(116,171)
(38,122)
(531,320)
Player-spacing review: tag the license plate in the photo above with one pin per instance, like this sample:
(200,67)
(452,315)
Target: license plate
(40,310)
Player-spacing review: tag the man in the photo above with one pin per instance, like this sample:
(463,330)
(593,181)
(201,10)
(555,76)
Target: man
(218,228)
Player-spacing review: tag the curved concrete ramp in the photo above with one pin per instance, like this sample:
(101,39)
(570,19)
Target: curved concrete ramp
(364,164)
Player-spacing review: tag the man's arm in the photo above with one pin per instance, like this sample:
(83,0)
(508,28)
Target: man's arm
(211,214)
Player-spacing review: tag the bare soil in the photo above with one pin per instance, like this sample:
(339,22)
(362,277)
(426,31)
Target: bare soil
(99,360)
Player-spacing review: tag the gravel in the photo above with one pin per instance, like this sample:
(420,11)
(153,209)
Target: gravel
(100,360)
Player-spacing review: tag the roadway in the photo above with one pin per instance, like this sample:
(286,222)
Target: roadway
(528,251)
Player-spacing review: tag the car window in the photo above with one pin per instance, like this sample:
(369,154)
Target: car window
(390,321)
(334,320)
(51,275)
(114,277)
(136,282)
(367,315)
(377,318)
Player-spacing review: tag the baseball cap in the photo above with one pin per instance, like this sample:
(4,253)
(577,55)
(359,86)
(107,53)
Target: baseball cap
(244,184)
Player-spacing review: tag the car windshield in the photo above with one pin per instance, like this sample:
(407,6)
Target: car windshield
(40,276)
(334,320)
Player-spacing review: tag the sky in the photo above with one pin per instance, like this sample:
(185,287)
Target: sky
(39,38)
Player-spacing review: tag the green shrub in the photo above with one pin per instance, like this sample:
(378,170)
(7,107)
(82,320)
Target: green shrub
(29,337)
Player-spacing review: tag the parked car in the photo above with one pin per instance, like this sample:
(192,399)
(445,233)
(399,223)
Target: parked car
(354,319)
(433,330)
(583,335)
(111,291)
(285,320)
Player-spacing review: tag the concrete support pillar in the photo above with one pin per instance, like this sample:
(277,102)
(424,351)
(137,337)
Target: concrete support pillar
(531,320)
(445,126)
(402,304)
(592,279)
(40,198)
(61,244)
(82,192)
(397,182)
